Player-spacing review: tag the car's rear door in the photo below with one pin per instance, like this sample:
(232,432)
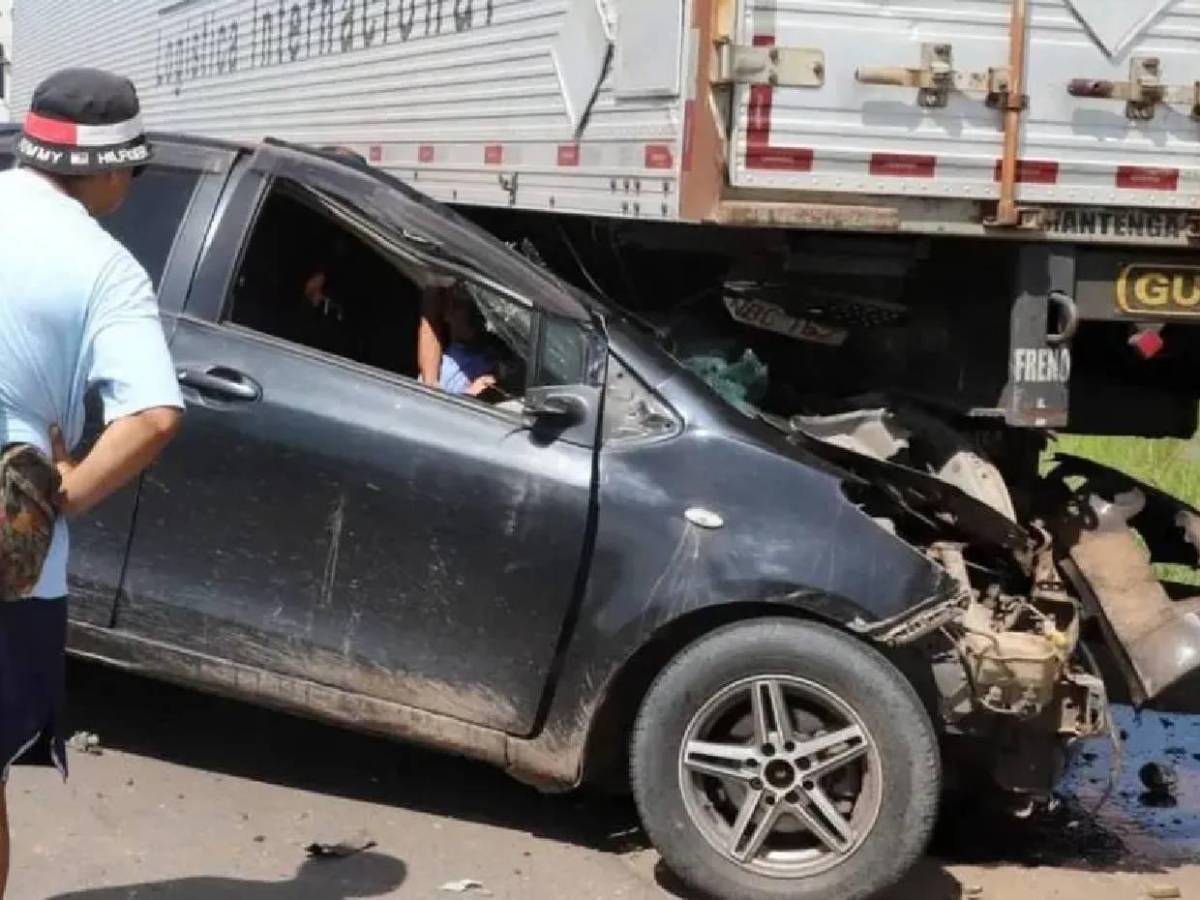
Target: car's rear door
(339,524)
(162,223)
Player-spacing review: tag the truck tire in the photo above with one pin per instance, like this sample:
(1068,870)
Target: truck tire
(783,759)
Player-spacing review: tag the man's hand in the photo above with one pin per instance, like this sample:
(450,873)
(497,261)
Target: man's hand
(61,457)
(481,384)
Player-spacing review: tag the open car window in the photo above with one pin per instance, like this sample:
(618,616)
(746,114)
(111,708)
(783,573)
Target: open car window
(318,273)
(398,208)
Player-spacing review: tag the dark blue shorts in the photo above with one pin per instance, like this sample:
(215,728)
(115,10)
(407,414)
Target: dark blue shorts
(33,639)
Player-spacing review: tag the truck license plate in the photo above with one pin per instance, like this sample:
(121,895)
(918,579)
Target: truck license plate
(769,317)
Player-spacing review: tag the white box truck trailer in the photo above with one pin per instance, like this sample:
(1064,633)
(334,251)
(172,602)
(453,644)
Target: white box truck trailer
(983,208)
(829,114)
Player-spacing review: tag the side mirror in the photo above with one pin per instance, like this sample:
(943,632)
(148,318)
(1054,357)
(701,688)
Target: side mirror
(560,407)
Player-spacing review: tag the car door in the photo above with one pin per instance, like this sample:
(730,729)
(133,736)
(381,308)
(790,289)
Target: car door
(161,223)
(337,523)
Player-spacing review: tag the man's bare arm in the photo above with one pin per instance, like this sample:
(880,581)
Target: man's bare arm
(429,338)
(124,449)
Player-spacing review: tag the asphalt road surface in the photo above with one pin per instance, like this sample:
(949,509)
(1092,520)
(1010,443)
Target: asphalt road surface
(198,798)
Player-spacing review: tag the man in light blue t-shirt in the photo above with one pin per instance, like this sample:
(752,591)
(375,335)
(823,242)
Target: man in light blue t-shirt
(77,313)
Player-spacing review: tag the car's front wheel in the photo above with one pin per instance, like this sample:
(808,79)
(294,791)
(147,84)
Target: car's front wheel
(783,759)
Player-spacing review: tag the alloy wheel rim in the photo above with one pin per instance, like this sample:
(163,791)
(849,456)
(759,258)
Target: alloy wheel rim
(780,776)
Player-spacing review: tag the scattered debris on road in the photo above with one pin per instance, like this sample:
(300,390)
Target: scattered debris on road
(86,742)
(356,844)
(1165,892)
(1160,782)
(466,885)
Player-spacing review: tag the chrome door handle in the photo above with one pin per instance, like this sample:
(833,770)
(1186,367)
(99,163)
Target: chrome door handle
(221,383)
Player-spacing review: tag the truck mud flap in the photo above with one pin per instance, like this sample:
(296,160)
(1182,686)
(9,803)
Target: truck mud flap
(1112,530)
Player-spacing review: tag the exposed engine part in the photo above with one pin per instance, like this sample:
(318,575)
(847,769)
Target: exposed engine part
(1015,674)
(950,556)
(915,623)
(1015,652)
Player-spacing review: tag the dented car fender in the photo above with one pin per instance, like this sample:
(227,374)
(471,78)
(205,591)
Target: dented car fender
(715,517)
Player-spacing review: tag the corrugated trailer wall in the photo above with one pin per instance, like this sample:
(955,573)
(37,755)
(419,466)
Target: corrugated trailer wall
(462,97)
(855,137)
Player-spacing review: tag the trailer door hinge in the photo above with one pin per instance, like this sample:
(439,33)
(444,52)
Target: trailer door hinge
(1143,92)
(776,66)
(937,78)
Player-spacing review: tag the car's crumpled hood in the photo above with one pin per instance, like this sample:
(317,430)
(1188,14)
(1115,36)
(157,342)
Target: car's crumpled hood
(920,493)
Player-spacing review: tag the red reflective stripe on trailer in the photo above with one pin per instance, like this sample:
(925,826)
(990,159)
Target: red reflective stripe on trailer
(1032,171)
(758,116)
(375,153)
(568,154)
(493,154)
(425,153)
(793,159)
(1137,178)
(903,165)
(764,40)
(659,156)
(51,131)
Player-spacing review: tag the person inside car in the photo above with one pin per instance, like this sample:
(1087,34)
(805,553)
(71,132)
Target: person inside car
(317,304)
(470,360)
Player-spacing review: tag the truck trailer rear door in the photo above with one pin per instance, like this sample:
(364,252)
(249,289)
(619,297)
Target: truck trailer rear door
(899,98)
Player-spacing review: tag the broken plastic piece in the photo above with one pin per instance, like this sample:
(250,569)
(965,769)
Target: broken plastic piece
(464,885)
(356,844)
(85,742)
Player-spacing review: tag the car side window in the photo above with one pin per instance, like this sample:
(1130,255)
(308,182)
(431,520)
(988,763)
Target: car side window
(149,219)
(318,273)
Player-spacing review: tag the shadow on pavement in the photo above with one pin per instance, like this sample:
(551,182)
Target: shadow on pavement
(187,728)
(160,721)
(361,876)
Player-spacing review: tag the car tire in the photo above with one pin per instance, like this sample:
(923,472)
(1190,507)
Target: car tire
(800,667)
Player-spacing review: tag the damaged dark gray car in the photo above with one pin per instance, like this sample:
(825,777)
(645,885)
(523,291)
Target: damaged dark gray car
(784,629)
